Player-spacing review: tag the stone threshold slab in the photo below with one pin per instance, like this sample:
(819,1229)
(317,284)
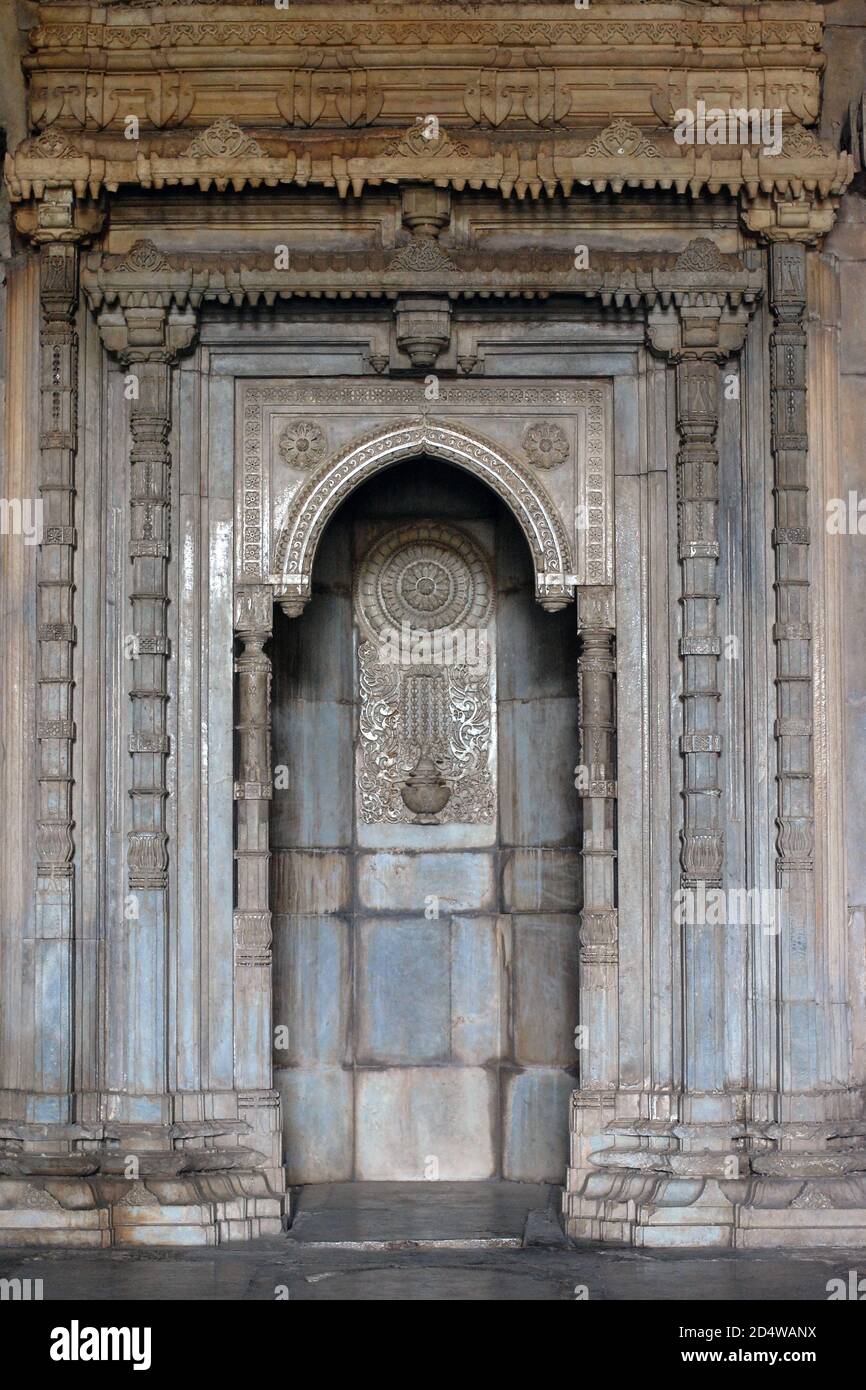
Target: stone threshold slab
(417,1215)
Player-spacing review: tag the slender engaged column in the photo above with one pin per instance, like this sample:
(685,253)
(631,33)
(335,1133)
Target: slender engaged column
(55,887)
(147,854)
(597,786)
(702,848)
(253,790)
(702,837)
(802,1058)
(147,341)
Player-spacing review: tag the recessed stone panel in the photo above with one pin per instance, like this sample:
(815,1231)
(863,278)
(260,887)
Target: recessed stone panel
(304,881)
(539,660)
(479,995)
(313,740)
(538,751)
(539,880)
(312,988)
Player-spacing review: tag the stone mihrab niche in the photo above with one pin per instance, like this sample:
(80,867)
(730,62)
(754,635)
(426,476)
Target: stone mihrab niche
(424,605)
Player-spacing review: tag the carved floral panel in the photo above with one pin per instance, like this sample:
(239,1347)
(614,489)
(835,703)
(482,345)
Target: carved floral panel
(424,607)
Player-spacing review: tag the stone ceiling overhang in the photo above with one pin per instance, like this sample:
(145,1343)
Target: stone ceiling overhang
(526,100)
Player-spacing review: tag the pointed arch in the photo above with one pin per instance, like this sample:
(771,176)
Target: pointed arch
(330,485)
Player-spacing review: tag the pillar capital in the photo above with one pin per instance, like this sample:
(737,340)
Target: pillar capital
(774,219)
(145,306)
(59,218)
(693,330)
(136,334)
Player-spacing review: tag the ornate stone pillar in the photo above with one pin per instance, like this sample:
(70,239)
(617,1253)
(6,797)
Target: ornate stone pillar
(702,835)
(147,341)
(793,645)
(253,791)
(599,1004)
(713,295)
(258,1102)
(632,1146)
(55,728)
(807,1058)
(57,227)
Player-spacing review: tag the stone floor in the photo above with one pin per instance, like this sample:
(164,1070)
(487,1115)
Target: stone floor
(428,1241)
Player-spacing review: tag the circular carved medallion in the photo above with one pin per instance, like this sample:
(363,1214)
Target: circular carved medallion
(546,444)
(428,575)
(302,444)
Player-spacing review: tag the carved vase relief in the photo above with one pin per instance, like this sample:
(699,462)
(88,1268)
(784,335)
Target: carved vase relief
(424,604)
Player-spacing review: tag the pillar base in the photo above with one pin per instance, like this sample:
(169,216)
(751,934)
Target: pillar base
(718,1171)
(101,1213)
(211,1172)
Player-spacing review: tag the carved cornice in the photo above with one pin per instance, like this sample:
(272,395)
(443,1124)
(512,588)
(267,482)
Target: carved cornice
(615,156)
(337,96)
(145,276)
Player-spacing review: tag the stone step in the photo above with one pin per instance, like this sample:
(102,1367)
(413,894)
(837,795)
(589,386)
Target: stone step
(425,1215)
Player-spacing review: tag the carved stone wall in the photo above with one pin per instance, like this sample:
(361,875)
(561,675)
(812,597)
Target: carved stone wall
(430,304)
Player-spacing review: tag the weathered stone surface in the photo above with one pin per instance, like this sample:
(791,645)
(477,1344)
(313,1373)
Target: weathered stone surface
(311,881)
(459,882)
(478,990)
(541,880)
(317,1106)
(535,1141)
(402,992)
(539,743)
(545,984)
(312,984)
(425,1120)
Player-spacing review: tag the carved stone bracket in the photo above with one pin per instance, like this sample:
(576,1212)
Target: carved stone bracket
(423,325)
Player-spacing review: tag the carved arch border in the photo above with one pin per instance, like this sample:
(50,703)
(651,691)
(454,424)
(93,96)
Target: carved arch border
(323,493)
